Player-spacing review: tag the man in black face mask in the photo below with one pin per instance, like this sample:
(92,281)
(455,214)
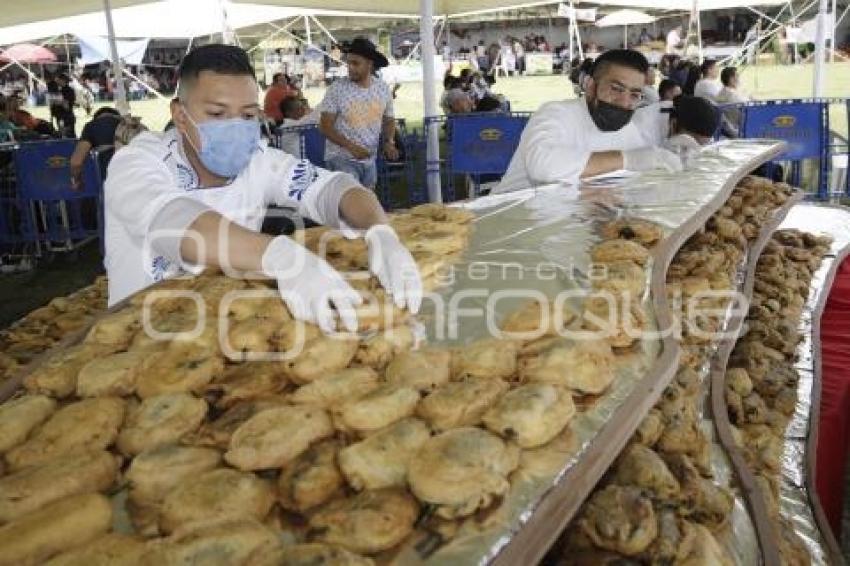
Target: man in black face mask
(569,140)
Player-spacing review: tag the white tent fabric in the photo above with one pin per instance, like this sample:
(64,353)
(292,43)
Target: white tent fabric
(43,11)
(96,49)
(624,18)
(459,8)
(163,19)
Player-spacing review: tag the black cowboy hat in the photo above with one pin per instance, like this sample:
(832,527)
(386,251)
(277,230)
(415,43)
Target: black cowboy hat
(365,48)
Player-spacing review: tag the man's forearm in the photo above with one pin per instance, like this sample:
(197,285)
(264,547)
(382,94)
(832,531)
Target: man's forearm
(332,134)
(360,209)
(388,130)
(602,162)
(215,241)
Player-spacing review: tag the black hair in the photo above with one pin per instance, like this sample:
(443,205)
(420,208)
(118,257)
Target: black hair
(106,110)
(694,75)
(727,74)
(452,82)
(276,77)
(288,105)
(695,114)
(488,104)
(464,73)
(706,65)
(216,57)
(665,86)
(622,57)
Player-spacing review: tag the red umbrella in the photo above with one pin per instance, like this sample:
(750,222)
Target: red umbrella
(27,53)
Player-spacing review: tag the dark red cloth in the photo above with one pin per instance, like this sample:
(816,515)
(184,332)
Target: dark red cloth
(834,425)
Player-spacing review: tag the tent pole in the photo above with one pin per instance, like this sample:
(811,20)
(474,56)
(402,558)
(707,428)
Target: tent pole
(699,32)
(834,30)
(820,49)
(304,56)
(278,30)
(68,56)
(120,94)
(324,29)
(432,155)
(144,84)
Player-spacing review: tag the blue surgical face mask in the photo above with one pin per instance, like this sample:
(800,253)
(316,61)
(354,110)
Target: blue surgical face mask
(226,145)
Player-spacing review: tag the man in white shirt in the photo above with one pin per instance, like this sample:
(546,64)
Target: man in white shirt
(686,124)
(708,86)
(674,40)
(650,93)
(730,95)
(295,112)
(569,140)
(196,195)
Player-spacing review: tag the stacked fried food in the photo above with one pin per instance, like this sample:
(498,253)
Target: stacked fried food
(761,381)
(660,502)
(224,440)
(42,328)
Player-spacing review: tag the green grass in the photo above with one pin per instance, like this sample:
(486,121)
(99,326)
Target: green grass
(528,93)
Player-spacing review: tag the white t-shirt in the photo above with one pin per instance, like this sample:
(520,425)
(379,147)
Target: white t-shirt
(731,96)
(561,136)
(650,95)
(707,88)
(152,172)
(673,41)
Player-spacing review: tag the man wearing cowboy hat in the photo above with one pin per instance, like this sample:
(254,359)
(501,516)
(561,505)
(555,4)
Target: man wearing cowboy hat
(355,112)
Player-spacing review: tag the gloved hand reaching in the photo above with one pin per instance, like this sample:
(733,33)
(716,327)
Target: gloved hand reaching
(309,285)
(394,267)
(649,158)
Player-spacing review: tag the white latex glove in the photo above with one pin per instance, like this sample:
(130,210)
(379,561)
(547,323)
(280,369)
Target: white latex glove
(309,285)
(649,158)
(394,267)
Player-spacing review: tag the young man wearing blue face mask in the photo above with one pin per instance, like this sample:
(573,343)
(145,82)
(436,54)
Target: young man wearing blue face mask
(196,196)
(604,131)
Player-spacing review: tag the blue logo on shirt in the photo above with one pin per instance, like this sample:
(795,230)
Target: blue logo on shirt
(160,267)
(303,175)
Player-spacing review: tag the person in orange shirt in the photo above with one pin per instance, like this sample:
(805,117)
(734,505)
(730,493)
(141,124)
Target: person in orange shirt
(279,90)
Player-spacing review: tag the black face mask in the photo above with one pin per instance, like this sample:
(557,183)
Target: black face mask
(608,117)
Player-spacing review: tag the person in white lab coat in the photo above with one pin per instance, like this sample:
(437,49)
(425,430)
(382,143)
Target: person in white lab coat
(603,132)
(196,195)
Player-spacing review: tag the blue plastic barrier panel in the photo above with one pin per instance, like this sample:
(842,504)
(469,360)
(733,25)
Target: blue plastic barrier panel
(484,144)
(44,172)
(799,124)
(314,146)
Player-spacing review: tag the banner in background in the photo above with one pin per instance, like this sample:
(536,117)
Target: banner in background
(582,15)
(95,49)
(538,63)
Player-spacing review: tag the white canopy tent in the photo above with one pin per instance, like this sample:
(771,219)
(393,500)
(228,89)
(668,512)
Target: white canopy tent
(50,16)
